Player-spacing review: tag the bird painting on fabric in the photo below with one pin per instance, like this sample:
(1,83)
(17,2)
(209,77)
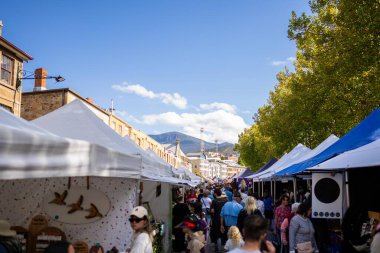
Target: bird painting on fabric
(77,205)
(59,198)
(93,212)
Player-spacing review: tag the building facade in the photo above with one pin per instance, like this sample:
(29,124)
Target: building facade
(233,168)
(200,164)
(11,59)
(217,168)
(181,160)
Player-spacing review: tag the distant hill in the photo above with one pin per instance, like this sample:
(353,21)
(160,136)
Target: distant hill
(191,144)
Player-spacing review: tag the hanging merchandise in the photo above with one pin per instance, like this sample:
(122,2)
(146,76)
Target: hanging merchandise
(97,248)
(158,190)
(45,237)
(80,247)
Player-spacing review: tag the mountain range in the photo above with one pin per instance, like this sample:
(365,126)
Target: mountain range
(190,144)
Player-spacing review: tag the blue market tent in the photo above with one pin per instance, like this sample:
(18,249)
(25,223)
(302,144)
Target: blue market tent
(267,165)
(246,173)
(366,132)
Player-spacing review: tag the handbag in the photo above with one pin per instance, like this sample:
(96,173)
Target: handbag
(305,247)
(207,209)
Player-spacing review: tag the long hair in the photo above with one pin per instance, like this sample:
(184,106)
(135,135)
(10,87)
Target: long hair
(250,205)
(148,228)
(235,236)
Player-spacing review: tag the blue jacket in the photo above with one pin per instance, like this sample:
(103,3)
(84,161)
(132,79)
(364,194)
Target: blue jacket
(230,213)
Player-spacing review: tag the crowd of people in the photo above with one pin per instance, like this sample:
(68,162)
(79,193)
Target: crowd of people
(222,218)
(217,219)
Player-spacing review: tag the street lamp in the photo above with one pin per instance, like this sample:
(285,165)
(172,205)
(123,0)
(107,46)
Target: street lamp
(33,76)
(38,74)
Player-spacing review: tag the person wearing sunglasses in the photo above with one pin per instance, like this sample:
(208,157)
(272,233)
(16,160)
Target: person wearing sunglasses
(142,237)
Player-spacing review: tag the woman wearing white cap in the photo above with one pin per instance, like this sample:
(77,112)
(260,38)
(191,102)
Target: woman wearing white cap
(142,238)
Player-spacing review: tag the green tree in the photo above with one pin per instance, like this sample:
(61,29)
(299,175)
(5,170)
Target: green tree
(335,85)
(255,149)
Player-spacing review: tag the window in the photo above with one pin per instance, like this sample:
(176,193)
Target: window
(6,69)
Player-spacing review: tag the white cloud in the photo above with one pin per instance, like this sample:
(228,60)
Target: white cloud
(174,99)
(288,60)
(218,106)
(218,125)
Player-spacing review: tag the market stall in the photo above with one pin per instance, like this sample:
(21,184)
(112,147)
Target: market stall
(43,176)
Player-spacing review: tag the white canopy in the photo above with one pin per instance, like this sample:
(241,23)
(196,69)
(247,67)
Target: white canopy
(297,152)
(181,176)
(322,146)
(365,156)
(76,121)
(27,151)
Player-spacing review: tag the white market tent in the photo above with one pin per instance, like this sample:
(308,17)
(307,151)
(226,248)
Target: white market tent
(365,156)
(27,151)
(34,163)
(76,121)
(185,176)
(297,152)
(321,147)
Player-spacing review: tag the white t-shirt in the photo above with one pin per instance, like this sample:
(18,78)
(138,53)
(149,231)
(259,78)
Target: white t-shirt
(206,203)
(230,246)
(141,243)
(239,250)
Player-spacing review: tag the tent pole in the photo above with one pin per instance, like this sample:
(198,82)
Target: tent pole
(253,186)
(258,187)
(262,187)
(294,189)
(274,196)
(271,187)
(347,189)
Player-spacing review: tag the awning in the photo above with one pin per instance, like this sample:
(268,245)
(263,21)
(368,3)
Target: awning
(363,157)
(293,155)
(365,132)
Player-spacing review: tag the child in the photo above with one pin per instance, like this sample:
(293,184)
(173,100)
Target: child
(204,224)
(234,239)
(196,239)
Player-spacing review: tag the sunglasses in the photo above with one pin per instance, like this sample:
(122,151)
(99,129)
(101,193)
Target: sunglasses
(135,219)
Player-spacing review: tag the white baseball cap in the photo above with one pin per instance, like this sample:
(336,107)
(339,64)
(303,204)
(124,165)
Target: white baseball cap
(139,212)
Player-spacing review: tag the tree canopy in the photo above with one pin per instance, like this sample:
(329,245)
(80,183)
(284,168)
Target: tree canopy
(335,84)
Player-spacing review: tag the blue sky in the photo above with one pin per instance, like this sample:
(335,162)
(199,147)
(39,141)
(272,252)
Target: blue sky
(169,65)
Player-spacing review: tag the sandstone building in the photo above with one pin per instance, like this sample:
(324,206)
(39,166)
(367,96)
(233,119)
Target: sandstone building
(11,59)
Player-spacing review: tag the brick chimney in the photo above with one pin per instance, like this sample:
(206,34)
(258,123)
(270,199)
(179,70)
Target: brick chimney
(40,81)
